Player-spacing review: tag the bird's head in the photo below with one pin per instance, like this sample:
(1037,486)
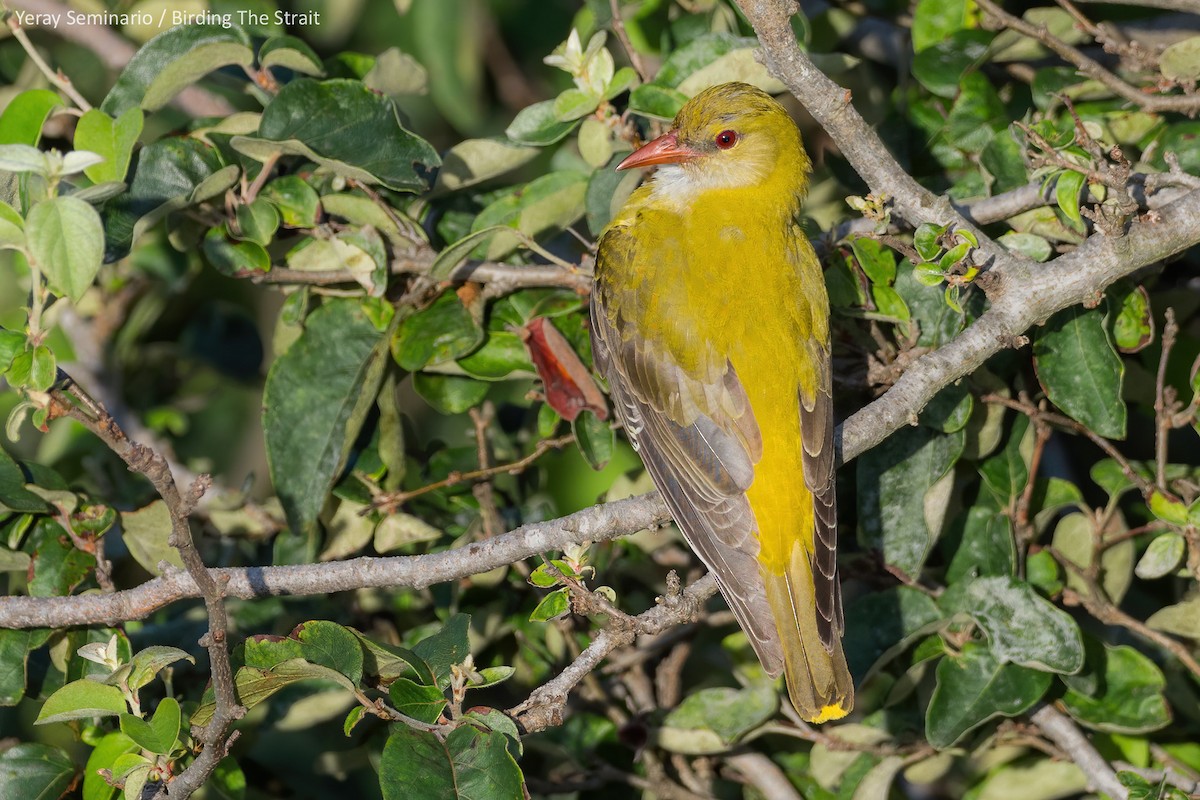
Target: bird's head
(732,135)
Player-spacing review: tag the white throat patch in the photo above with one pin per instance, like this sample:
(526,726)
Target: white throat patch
(678,184)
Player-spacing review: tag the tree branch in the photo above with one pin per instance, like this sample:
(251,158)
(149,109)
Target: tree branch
(154,467)
(830,106)
(546,706)
(1091,68)
(1063,732)
(596,524)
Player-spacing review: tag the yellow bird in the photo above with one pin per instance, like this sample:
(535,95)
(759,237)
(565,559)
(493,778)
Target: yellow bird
(710,322)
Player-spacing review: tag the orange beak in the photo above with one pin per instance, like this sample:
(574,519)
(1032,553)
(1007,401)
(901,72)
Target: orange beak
(666,149)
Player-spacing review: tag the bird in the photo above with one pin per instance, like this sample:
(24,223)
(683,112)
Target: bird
(710,324)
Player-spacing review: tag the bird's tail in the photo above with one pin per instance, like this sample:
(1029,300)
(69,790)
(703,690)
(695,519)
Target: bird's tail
(818,680)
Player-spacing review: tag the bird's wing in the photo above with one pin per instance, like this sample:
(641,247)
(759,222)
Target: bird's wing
(816,433)
(697,436)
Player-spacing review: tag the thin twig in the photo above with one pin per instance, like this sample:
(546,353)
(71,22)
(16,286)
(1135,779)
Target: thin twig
(1164,410)
(1063,732)
(546,706)
(393,500)
(1089,67)
(635,58)
(484,492)
(56,77)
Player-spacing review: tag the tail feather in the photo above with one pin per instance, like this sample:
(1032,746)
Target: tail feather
(818,680)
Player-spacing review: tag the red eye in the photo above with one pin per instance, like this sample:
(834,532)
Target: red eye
(726,139)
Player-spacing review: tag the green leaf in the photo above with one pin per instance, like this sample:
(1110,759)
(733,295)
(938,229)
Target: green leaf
(416,700)
(607,192)
(987,547)
(699,52)
(389,662)
(549,203)
(595,142)
(15,646)
(171,61)
(435,335)
(470,765)
(949,410)
(1161,558)
(290,53)
(934,20)
(58,566)
(656,101)
(231,257)
(317,395)
(1130,699)
(1032,247)
(1068,190)
(113,139)
(24,116)
(1143,789)
(44,371)
(491,676)
(113,745)
(255,685)
(574,104)
(396,74)
(1073,540)
(298,203)
(66,239)
(169,174)
(926,240)
(1006,473)
(1168,509)
(595,439)
(974,687)
(502,354)
(711,720)
(449,394)
(257,221)
(35,772)
(13,494)
(446,648)
(474,161)
(147,663)
(333,646)
(1181,619)
(940,66)
(1133,327)
(160,733)
(902,495)
(1021,626)
(343,122)
(82,699)
(546,575)
(1181,61)
(555,605)
(876,260)
(538,125)
(146,533)
(1079,370)
(878,621)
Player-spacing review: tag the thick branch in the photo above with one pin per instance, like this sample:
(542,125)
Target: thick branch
(1025,295)
(595,524)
